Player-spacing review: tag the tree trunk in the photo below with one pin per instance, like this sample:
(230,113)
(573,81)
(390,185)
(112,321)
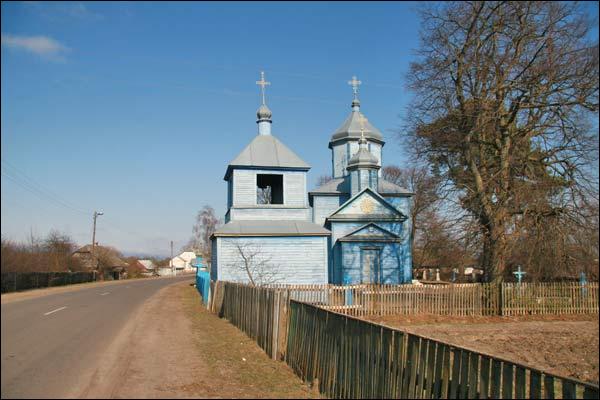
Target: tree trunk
(494,253)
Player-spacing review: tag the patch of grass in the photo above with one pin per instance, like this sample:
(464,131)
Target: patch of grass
(237,365)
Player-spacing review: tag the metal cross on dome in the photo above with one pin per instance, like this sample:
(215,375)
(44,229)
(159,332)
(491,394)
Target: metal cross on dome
(355,83)
(262,83)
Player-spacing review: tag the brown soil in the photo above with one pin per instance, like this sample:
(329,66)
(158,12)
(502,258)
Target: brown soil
(565,345)
(175,348)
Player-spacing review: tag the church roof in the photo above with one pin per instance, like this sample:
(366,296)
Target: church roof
(363,157)
(267,151)
(271,228)
(351,129)
(337,186)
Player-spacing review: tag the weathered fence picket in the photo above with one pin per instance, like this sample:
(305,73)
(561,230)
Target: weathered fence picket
(374,365)
(350,357)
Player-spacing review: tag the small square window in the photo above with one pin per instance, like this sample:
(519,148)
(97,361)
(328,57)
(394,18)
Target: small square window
(269,189)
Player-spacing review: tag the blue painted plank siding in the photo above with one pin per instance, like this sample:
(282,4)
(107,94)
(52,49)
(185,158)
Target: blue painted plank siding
(396,258)
(393,262)
(296,259)
(244,187)
(213,259)
(323,207)
(269,213)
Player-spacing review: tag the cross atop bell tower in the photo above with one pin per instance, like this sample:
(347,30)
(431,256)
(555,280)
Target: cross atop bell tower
(355,83)
(263,114)
(262,83)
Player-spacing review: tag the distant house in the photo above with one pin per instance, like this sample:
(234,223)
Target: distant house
(184,262)
(148,267)
(111,265)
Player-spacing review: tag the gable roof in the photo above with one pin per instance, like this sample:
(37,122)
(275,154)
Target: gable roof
(385,211)
(370,232)
(339,186)
(148,264)
(267,151)
(271,228)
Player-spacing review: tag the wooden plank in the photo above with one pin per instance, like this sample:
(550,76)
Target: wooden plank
(454,383)
(568,389)
(507,380)
(473,370)
(421,369)
(535,384)
(464,374)
(496,379)
(548,387)
(410,367)
(439,364)
(431,347)
(484,377)
(590,392)
(520,384)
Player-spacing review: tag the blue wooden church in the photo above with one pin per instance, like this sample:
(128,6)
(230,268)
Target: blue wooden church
(353,229)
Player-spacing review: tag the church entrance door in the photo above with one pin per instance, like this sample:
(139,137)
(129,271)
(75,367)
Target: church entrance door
(371,265)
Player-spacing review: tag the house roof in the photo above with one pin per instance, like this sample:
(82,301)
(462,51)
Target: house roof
(148,264)
(107,255)
(267,151)
(271,228)
(338,186)
(186,256)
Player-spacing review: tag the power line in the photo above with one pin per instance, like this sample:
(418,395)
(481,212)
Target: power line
(20,178)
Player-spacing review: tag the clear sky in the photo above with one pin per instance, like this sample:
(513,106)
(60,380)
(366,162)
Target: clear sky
(136,109)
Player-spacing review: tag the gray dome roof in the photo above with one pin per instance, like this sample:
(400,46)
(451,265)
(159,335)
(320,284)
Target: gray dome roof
(363,157)
(351,129)
(264,113)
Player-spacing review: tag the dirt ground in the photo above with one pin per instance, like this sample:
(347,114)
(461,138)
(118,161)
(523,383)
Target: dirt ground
(565,345)
(174,348)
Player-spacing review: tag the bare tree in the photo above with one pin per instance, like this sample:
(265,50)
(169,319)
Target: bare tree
(263,195)
(255,263)
(503,94)
(419,181)
(206,224)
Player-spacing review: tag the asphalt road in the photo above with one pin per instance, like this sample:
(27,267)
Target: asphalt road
(51,344)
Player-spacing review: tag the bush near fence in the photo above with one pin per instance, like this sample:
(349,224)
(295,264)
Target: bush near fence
(18,281)
(350,357)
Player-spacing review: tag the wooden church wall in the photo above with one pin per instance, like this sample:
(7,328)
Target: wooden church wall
(294,259)
(244,187)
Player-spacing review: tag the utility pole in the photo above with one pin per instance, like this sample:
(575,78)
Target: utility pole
(173,271)
(94,261)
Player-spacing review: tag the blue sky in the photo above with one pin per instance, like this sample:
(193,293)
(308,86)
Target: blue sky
(136,109)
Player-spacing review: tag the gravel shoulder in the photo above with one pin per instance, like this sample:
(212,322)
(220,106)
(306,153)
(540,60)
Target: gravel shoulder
(174,348)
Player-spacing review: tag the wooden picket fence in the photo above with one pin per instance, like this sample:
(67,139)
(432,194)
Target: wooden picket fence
(352,358)
(310,328)
(259,312)
(467,299)
(549,298)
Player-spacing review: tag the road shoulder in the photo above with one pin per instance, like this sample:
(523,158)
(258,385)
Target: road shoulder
(174,348)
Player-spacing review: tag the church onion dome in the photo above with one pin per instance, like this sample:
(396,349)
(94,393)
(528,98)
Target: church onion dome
(363,157)
(264,113)
(351,129)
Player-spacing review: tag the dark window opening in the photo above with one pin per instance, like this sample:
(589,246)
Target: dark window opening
(269,189)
